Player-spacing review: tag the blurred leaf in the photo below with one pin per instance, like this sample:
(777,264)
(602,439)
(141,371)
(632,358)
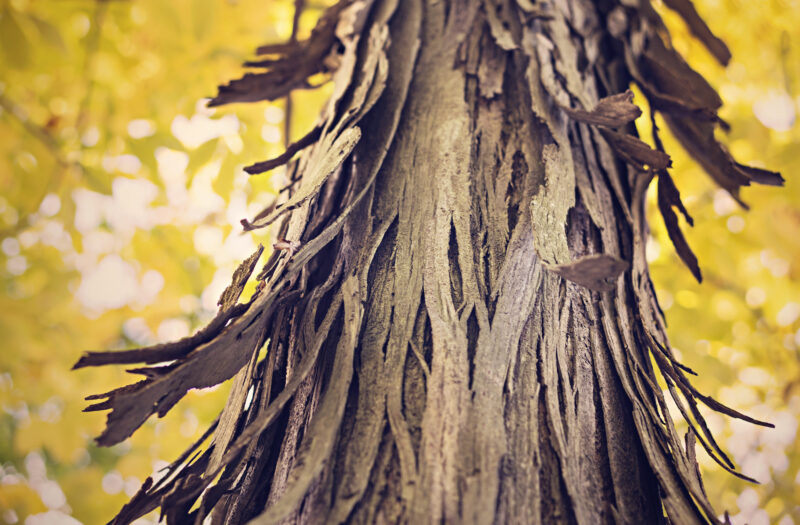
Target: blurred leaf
(20,498)
(49,33)
(200,157)
(13,41)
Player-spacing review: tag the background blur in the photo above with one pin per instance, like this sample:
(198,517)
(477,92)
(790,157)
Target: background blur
(121,194)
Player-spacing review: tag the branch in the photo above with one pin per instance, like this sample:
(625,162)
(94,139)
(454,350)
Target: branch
(37,131)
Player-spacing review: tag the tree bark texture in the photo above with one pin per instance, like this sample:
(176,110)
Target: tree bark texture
(457,324)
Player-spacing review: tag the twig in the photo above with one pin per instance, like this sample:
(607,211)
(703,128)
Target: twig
(38,132)
(41,134)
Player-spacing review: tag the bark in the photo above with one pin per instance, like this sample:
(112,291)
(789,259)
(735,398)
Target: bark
(458,319)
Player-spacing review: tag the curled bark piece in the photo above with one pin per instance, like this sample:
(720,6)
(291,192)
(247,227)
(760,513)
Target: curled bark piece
(597,272)
(636,152)
(613,111)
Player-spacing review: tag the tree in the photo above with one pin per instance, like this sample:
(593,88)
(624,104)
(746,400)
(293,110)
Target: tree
(457,323)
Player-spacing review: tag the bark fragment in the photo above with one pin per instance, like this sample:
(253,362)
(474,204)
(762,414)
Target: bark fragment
(613,111)
(596,272)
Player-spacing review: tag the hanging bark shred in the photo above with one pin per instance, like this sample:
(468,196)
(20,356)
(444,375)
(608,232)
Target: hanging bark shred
(700,29)
(465,329)
(289,65)
(264,166)
(668,197)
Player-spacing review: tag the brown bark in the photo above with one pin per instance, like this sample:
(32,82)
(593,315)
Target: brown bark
(460,327)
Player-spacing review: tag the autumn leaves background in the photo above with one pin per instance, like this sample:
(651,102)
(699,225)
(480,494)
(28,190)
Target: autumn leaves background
(120,201)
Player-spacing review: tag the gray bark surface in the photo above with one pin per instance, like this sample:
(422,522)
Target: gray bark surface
(458,321)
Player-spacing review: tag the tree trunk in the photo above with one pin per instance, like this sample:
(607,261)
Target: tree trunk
(458,321)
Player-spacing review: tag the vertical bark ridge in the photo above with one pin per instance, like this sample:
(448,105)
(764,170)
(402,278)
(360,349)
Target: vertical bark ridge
(462,325)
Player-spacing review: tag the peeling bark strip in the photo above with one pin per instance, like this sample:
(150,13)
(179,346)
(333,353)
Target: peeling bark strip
(458,318)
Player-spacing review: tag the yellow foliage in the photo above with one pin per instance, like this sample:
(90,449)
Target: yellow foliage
(21,499)
(120,196)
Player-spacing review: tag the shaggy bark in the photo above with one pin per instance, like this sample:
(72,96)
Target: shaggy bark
(458,319)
